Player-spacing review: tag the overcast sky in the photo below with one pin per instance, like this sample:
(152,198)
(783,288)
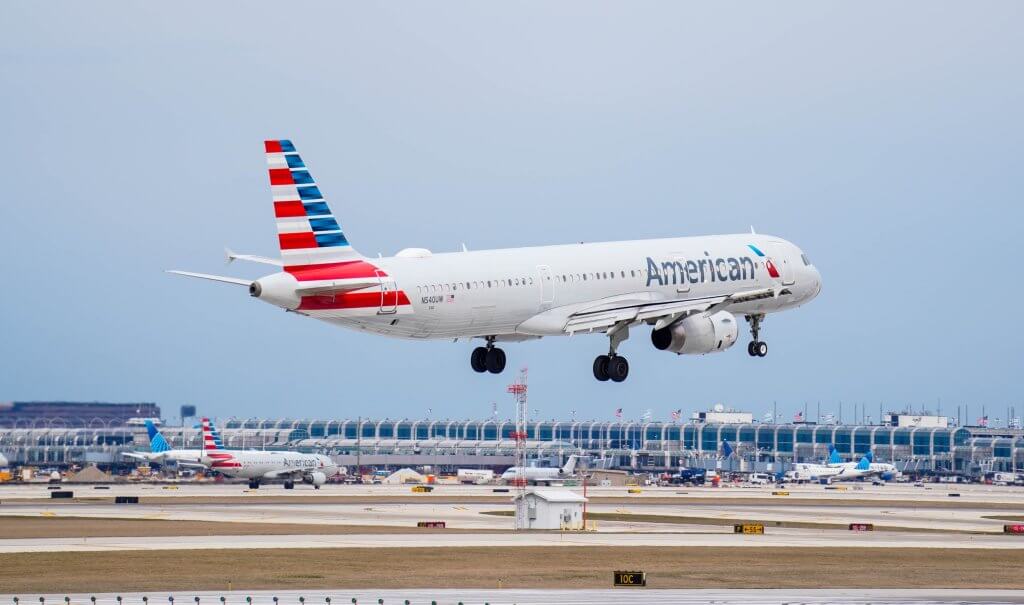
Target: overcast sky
(885,139)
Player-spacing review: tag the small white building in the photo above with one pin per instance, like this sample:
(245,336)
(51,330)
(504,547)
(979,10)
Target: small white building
(723,416)
(545,508)
(893,419)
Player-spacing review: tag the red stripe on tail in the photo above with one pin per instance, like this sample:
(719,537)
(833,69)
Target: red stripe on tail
(294,241)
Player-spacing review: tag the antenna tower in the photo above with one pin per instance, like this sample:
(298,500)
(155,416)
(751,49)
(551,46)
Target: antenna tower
(518,390)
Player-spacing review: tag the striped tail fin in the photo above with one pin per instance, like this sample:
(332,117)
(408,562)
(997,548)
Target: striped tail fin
(210,444)
(307,230)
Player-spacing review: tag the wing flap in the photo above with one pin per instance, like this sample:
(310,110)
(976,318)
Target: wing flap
(288,472)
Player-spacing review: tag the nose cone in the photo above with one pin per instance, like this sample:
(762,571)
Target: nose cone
(816,281)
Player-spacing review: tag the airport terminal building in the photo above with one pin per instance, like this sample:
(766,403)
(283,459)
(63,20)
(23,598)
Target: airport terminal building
(641,446)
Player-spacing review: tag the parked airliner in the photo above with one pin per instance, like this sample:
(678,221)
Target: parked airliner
(160,451)
(689,290)
(540,475)
(260,465)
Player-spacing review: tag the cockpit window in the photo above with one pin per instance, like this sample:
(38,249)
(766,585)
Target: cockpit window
(807,262)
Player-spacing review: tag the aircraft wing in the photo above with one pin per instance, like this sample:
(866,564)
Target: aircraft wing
(284,472)
(603,317)
(137,455)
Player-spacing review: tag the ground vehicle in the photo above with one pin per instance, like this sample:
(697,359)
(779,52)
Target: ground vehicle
(759,479)
(1004,478)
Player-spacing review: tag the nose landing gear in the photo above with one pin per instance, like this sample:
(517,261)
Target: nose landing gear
(488,359)
(756,347)
(613,366)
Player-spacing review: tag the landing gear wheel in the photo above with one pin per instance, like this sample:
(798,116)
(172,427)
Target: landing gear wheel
(495,360)
(601,367)
(479,360)
(254,484)
(756,347)
(289,485)
(618,368)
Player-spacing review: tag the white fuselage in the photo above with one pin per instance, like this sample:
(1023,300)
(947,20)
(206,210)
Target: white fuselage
(522,293)
(258,464)
(534,474)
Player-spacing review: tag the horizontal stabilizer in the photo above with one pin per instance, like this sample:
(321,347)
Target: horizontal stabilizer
(337,287)
(252,258)
(227,280)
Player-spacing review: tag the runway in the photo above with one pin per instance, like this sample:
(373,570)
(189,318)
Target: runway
(778,538)
(625,596)
(841,494)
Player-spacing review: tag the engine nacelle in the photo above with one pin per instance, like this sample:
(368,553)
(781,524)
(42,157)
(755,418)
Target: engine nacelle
(316,478)
(698,334)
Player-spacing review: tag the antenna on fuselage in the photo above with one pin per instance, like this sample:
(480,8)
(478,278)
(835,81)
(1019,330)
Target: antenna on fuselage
(752,232)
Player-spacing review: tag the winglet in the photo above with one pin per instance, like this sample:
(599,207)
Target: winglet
(752,232)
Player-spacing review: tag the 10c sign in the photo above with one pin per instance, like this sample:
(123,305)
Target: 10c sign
(630,578)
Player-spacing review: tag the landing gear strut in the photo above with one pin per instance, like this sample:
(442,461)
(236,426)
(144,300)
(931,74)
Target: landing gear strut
(756,347)
(488,359)
(613,366)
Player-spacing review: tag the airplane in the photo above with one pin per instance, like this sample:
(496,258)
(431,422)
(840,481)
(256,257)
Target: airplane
(259,465)
(539,475)
(836,470)
(689,290)
(161,452)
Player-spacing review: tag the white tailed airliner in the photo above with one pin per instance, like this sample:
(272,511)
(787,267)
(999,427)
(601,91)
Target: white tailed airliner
(689,290)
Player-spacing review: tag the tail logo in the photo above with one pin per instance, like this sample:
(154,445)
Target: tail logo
(304,221)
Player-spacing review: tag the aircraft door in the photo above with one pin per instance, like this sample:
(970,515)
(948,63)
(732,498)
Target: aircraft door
(388,294)
(547,287)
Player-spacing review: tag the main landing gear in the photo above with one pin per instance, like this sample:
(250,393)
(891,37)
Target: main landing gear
(488,359)
(289,484)
(756,347)
(613,366)
(254,483)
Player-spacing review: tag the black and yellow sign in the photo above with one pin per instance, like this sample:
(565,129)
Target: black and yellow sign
(630,578)
(748,528)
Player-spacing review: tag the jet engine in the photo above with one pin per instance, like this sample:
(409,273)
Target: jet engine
(316,478)
(697,334)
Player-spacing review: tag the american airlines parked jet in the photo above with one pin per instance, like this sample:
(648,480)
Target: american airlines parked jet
(259,465)
(689,290)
